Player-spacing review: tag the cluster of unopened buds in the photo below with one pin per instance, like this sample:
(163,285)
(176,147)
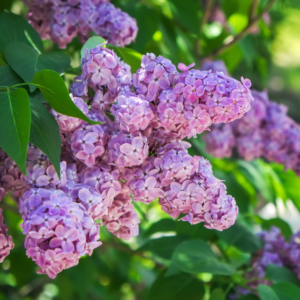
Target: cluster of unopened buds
(137,153)
(62,20)
(276,251)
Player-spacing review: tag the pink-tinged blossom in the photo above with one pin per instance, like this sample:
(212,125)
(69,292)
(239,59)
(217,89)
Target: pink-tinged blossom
(190,188)
(58,230)
(6,243)
(121,219)
(132,114)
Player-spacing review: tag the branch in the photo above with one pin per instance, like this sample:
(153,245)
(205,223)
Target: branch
(242,34)
(253,9)
(207,12)
(208,9)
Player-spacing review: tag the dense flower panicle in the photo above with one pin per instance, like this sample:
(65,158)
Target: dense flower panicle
(189,187)
(6,242)
(136,154)
(274,251)
(265,131)
(122,220)
(58,230)
(292,256)
(61,21)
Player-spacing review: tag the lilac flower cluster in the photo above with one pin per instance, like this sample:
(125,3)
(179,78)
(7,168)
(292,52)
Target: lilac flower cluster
(265,131)
(59,230)
(6,242)
(275,251)
(61,21)
(136,153)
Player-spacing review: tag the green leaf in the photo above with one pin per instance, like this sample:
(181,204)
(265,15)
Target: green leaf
(196,257)
(91,43)
(217,294)
(266,292)
(178,287)
(56,93)
(279,274)
(238,236)
(185,13)
(26,61)
(44,133)
(16,29)
(163,246)
(130,56)
(286,291)
(15,125)
(163,225)
(8,77)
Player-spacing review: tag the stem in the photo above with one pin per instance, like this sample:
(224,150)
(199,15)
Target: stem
(3,62)
(207,12)
(253,9)
(208,8)
(19,84)
(227,290)
(242,34)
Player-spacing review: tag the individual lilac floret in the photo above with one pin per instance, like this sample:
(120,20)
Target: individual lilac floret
(127,149)
(122,220)
(193,190)
(61,21)
(66,123)
(265,131)
(58,230)
(6,242)
(132,113)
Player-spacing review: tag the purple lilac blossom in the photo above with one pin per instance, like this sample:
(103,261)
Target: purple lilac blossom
(61,21)
(265,131)
(273,252)
(136,154)
(58,230)
(189,187)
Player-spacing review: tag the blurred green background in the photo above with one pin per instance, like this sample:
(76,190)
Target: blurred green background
(182,31)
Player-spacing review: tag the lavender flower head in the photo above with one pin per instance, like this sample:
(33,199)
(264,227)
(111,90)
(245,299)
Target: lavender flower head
(61,21)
